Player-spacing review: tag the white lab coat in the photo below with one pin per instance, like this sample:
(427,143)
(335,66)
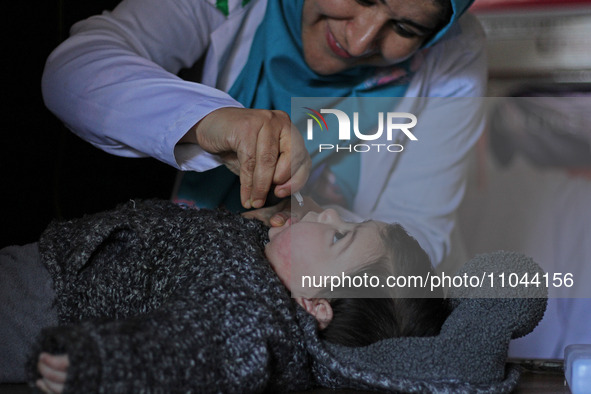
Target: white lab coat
(113,83)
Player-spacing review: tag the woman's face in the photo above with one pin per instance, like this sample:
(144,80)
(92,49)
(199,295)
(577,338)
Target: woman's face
(321,244)
(340,34)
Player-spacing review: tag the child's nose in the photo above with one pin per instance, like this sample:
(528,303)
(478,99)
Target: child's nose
(329,216)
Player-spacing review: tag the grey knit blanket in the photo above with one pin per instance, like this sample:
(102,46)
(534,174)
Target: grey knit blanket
(156,298)
(171,300)
(468,356)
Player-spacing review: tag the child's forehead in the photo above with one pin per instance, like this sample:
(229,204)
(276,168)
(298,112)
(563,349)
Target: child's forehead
(373,237)
(369,234)
(375,224)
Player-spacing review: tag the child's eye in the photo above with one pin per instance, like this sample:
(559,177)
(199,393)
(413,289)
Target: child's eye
(366,3)
(337,237)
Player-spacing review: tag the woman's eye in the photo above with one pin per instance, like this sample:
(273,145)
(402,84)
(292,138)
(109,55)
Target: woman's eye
(337,237)
(402,30)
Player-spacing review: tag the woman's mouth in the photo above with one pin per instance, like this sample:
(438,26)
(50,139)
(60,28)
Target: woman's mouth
(335,46)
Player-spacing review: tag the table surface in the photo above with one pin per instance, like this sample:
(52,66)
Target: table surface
(541,376)
(541,383)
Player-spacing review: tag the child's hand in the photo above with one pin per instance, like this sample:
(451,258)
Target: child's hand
(54,370)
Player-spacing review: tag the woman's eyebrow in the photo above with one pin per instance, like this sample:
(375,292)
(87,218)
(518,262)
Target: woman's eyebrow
(423,29)
(410,22)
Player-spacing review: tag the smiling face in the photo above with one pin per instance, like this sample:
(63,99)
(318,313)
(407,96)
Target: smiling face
(322,244)
(341,34)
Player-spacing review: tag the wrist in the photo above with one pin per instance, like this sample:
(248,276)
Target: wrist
(190,136)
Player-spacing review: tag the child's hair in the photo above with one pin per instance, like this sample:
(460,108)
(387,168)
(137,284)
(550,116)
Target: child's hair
(390,312)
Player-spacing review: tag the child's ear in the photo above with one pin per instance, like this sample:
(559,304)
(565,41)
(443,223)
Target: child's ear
(319,308)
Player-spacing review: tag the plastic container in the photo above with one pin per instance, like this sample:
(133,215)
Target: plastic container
(577,368)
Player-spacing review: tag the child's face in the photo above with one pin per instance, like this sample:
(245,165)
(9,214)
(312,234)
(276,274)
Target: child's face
(322,244)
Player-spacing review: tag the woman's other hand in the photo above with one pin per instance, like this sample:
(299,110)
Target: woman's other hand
(54,370)
(277,215)
(274,215)
(261,146)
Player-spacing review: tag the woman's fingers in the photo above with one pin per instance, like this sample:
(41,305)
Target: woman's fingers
(293,165)
(269,155)
(279,218)
(262,154)
(262,214)
(260,146)
(267,214)
(259,160)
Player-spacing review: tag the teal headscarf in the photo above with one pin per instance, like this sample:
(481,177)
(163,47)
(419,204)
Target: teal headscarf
(276,71)
(459,7)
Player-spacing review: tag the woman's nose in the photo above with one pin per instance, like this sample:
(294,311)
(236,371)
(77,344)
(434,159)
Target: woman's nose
(364,32)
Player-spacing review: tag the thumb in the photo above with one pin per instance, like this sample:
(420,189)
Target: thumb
(279,219)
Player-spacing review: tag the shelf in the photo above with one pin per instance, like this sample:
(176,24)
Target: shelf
(539,42)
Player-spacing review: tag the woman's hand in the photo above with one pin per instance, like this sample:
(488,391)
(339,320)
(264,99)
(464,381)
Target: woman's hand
(274,216)
(54,370)
(261,146)
(277,215)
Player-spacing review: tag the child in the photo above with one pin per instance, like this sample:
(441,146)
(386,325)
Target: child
(154,296)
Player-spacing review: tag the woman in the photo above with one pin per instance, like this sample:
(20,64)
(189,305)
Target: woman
(113,84)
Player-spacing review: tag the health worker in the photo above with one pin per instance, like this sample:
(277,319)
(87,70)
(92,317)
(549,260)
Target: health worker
(114,83)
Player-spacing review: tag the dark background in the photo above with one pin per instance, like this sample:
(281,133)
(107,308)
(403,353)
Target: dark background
(46,171)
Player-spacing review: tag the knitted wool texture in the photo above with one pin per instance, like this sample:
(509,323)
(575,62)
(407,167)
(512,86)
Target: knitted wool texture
(154,298)
(171,300)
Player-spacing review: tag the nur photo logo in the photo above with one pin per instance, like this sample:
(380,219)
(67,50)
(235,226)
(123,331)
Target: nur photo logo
(390,123)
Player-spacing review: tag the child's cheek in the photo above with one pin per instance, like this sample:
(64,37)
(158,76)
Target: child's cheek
(278,251)
(285,250)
